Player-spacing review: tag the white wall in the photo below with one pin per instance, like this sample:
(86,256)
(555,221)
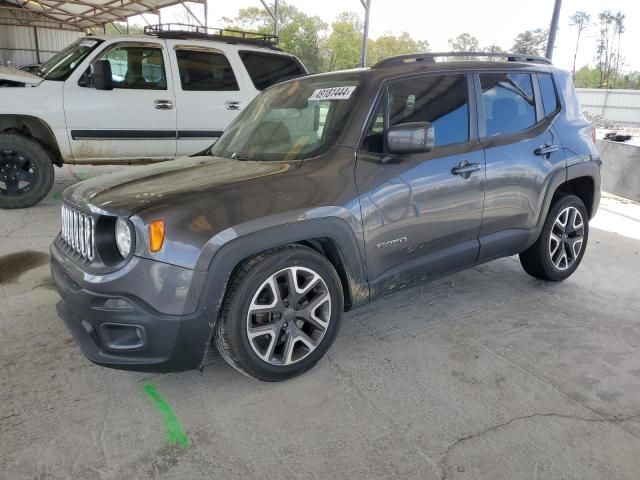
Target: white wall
(617,106)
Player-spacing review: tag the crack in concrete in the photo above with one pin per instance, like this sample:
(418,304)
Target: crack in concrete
(614,419)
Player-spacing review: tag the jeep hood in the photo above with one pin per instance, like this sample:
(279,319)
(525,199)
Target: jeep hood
(18,76)
(135,188)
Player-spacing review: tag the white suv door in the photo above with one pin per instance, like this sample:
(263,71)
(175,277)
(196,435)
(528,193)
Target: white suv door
(211,90)
(135,120)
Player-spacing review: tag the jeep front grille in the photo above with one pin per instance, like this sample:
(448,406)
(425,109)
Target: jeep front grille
(78,232)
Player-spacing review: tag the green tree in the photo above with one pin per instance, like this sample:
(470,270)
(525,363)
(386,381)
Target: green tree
(390,45)
(618,29)
(587,77)
(465,42)
(343,47)
(608,58)
(300,34)
(531,42)
(493,48)
(580,20)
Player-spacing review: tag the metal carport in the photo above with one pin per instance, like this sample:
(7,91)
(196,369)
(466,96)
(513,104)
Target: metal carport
(33,30)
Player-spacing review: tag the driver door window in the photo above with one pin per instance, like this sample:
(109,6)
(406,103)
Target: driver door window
(137,67)
(440,100)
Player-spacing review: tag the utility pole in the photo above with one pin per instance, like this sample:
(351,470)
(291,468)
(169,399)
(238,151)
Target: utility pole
(553,28)
(274,15)
(365,34)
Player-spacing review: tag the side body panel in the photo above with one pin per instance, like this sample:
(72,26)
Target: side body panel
(575,133)
(202,116)
(44,102)
(517,180)
(120,124)
(419,219)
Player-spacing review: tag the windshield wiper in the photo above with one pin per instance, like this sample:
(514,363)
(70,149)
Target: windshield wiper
(242,158)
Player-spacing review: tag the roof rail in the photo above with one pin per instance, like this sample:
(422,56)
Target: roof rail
(430,57)
(183,32)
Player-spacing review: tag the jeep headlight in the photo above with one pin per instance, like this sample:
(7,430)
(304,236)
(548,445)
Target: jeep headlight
(123,237)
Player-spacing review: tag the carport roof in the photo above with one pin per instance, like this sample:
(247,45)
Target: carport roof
(77,14)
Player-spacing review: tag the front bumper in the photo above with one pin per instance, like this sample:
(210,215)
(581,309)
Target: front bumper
(168,342)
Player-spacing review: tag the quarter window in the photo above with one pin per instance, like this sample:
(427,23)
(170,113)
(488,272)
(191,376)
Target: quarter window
(509,105)
(442,100)
(265,69)
(137,67)
(205,71)
(548,91)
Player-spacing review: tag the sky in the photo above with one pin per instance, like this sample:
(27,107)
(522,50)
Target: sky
(490,21)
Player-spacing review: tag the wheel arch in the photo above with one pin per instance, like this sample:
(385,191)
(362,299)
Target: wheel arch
(582,180)
(582,187)
(35,128)
(333,237)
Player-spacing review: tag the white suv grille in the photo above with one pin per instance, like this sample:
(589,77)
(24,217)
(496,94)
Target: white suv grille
(78,232)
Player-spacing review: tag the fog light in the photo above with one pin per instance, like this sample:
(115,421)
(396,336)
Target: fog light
(121,336)
(117,304)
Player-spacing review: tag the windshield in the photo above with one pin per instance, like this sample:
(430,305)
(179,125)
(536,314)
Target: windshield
(291,121)
(63,63)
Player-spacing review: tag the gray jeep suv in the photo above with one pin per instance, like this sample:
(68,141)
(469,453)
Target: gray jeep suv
(326,193)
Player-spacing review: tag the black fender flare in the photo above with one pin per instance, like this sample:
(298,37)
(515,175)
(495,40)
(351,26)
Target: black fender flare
(585,169)
(209,285)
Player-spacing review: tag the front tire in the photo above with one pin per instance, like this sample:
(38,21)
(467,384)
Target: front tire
(26,171)
(281,313)
(562,242)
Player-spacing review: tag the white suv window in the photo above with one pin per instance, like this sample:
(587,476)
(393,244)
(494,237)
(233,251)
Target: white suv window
(266,69)
(137,67)
(205,71)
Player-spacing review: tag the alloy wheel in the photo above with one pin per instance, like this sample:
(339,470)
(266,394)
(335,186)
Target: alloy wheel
(566,238)
(17,174)
(288,316)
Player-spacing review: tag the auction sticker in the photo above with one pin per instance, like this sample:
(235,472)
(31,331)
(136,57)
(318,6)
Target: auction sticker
(333,93)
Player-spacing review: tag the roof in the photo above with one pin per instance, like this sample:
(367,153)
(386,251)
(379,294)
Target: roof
(461,65)
(76,14)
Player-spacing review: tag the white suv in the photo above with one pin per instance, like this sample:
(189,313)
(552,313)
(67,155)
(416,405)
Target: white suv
(108,99)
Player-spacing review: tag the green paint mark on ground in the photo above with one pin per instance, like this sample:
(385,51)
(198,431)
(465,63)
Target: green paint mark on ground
(57,196)
(175,434)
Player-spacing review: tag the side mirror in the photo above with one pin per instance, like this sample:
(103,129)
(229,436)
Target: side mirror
(102,79)
(414,137)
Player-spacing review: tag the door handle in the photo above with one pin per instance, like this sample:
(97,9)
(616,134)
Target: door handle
(465,169)
(546,150)
(163,104)
(233,105)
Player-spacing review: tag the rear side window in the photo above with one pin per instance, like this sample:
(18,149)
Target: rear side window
(265,69)
(442,100)
(509,105)
(205,71)
(548,91)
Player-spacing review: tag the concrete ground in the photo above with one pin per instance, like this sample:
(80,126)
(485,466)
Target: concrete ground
(486,374)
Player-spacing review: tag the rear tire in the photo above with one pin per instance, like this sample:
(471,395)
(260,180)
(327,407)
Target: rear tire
(281,313)
(26,171)
(562,242)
